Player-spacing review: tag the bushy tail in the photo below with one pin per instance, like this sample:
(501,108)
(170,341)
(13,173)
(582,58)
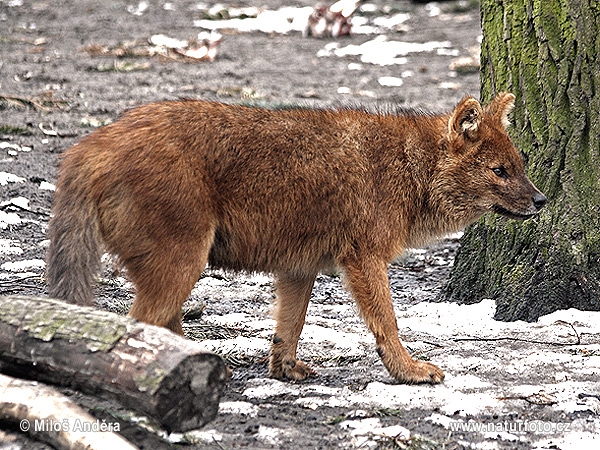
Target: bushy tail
(74,251)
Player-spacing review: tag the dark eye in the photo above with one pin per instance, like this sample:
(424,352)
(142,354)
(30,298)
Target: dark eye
(501,172)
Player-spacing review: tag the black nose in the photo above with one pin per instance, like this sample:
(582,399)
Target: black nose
(539,200)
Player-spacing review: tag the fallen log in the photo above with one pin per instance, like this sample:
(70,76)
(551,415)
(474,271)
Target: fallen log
(143,367)
(49,416)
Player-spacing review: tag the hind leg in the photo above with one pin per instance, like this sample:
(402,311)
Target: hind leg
(293,294)
(164,278)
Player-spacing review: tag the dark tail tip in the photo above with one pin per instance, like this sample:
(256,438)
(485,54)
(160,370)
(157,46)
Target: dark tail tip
(74,253)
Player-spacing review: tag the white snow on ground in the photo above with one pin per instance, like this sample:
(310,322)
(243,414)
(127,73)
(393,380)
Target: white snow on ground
(244,408)
(390,81)
(381,51)
(21,266)
(45,186)
(9,247)
(575,440)
(282,21)
(262,388)
(209,436)
(386,22)
(271,435)
(13,149)
(20,202)
(365,432)
(6,178)
(289,19)
(248,345)
(338,342)
(7,219)
(12,218)
(474,383)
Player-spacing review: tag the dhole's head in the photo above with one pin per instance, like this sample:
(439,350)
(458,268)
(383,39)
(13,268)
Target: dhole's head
(484,170)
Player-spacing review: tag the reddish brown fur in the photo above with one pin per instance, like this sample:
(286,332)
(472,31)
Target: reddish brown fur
(173,186)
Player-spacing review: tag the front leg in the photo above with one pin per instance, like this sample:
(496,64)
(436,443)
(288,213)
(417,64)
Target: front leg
(293,294)
(368,281)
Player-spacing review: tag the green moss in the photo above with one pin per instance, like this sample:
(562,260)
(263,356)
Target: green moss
(334,420)
(513,275)
(149,380)
(15,130)
(545,52)
(52,319)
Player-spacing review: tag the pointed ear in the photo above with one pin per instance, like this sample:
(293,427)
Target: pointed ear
(465,119)
(501,107)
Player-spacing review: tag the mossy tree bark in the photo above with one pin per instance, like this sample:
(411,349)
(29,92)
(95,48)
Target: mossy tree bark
(546,52)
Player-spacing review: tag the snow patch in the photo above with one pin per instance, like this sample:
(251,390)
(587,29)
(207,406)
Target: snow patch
(271,435)
(571,441)
(262,388)
(447,399)
(13,149)
(7,219)
(282,21)
(390,81)
(6,178)
(259,279)
(230,319)
(332,402)
(211,282)
(8,247)
(139,9)
(293,19)
(382,52)
(20,266)
(443,319)
(442,420)
(207,436)
(390,22)
(366,431)
(348,343)
(20,202)
(580,319)
(245,408)
(239,344)
(466,380)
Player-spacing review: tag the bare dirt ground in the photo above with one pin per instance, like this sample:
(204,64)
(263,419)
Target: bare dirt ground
(517,380)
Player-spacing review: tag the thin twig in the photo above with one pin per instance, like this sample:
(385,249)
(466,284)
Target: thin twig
(529,341)
(576,333)
(44,101)
(422,352)
(217,443)
(17,280)
(21,208)
(534,399)
(583,395)
(434,344)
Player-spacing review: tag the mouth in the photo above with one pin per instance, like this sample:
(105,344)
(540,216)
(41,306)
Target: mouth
(513,215)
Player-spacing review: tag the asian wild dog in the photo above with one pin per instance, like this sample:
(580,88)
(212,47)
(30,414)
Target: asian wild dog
(172,186)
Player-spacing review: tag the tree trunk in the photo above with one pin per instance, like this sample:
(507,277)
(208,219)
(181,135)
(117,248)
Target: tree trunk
(546,52)
(143,367)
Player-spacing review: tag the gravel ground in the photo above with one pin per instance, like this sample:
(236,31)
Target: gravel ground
(53,91)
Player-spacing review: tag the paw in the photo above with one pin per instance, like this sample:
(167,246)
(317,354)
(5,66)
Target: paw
(292,369)
(423,372)
(407,370)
